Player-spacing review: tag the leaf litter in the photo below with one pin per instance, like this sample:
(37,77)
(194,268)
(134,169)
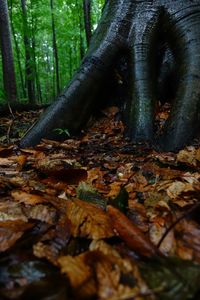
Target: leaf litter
(98,217)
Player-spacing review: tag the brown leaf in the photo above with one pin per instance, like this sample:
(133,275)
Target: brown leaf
(54,241)
(6,151)
(21,161)
(104,268)
(190,156)
(88,220)
(10,232)
(61,170)
(10,211)
(111,111)
(130,233)
(42,213)
(177,188)
(26,198)
(188,239)
(80,275)
(8,162)
(169,244)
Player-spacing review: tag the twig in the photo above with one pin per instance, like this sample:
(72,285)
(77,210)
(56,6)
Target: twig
(10,124)
(10,110)
(195,206)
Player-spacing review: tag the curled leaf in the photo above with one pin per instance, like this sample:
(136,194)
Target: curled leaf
(130,233)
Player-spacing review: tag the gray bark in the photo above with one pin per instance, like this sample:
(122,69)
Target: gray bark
(7,54)
(138,28)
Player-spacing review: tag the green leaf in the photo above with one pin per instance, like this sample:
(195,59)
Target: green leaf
(87,193)
(172,278)
(62,131)
(121,201)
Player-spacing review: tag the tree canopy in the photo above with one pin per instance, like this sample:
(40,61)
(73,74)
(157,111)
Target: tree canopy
(70,38)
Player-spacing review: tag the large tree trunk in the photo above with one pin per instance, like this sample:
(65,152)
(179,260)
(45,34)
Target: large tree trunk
(7,54)
(143,32)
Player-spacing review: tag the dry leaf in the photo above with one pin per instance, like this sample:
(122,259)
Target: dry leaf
(10,232)
(10,211)
(26,198)
(130,233)
(88,220)
(42,213)
(169,244)
(177,188)
(189,156)
(80,275)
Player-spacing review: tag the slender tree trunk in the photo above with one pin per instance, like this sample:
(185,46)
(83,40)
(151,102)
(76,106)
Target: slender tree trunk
(33,42)
(55,48)
(87,19)
(7,54)
(37,80)
(70,62)
(29,72)
(17,52)
(81,43)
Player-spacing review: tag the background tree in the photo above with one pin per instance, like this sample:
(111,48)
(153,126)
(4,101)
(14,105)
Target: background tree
(29,69)
(7,54)
(55,49)
(87,19)
(18,56)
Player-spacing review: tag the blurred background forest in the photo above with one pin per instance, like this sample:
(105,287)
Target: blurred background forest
(48,39)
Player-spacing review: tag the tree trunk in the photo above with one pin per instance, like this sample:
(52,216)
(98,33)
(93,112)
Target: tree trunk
(7,54)
(142,32)
(34,21)
(55,49)
(87,20)
(29,70)
(17,52)
(80,21)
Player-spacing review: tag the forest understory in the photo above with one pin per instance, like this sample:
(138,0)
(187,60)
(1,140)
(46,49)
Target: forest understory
(97,217)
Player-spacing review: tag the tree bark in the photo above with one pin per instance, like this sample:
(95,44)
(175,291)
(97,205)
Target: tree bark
(7,54)
(17,51)
(34,21)
(29,70)
(136,30)
(80,21)
(55,49)
(87,20)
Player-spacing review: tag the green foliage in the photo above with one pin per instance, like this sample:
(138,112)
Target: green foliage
(70,36)
(62,131)
(172,278)
(87,193)
(121,200)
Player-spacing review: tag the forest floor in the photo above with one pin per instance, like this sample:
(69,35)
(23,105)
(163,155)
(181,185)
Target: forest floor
(97,217)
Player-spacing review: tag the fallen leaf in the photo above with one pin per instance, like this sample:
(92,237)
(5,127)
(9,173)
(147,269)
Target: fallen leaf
(80,275)
(42,213)
(10,232)
(88,220)
(130,233)
(26,198)
(10,211)
(177,188)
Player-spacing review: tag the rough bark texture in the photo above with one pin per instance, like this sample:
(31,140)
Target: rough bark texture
(145,31)
(7,54)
